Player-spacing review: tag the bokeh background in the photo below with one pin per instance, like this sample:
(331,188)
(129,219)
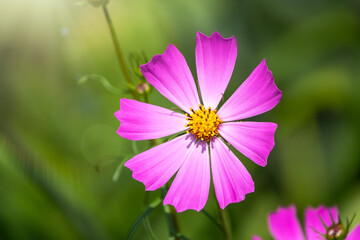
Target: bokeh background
(58,145)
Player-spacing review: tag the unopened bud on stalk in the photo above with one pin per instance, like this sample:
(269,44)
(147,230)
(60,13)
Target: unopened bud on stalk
(143,87)
(336,232)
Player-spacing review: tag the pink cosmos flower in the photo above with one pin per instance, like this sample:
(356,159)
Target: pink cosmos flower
(320,223)
(205,129)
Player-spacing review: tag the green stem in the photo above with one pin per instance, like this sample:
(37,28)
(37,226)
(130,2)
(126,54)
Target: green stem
(118,51)
(224,223)
(174,219)
(146,97)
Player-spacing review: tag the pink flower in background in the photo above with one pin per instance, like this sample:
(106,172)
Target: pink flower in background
(205,129)
(320,223)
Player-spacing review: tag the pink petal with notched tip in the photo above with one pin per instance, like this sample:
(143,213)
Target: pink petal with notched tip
(157,165)
(215,60)
(258,94)
(354,234)
(190,187)
(171,76)
(284,224)
(313,222)
(142,121)
(231,179)
(253,139)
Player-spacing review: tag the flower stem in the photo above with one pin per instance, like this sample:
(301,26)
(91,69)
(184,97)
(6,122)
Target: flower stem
(174,220)
(175,223)
(224,223)
(118,51)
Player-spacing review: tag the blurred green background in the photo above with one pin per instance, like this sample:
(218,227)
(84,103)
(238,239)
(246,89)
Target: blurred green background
(58,143)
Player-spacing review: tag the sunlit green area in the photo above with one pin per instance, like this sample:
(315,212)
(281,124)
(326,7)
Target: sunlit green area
(58,144)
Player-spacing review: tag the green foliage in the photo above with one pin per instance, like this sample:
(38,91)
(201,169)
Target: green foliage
(104,82)
(142,217)
(119,169)
(61,161)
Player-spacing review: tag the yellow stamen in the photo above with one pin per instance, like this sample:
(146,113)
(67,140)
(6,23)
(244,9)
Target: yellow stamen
(203,123)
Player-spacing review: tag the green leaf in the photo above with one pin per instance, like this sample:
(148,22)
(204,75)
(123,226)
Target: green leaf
(146,221)
(212,219)
(149,229)
(147,211)
(137,59)
(119,168)
(135,147)
(181,236)
(106,84)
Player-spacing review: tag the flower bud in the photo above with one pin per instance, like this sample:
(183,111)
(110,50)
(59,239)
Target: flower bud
(143,87)
(336,232)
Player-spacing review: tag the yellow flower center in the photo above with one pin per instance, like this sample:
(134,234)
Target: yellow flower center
(203,123)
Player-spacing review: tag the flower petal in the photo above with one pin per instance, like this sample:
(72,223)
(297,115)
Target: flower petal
(157,165)
(171,76)
(253,139)
(256,238)
(215,60)
(313,222)
(354,234)
(190,187)
(258,94)
(142,121)
(284,224)
(231,179)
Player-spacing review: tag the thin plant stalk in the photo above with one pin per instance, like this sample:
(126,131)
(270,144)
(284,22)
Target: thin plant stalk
(224,223)
(128,79)
(118,51)
(174,219)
